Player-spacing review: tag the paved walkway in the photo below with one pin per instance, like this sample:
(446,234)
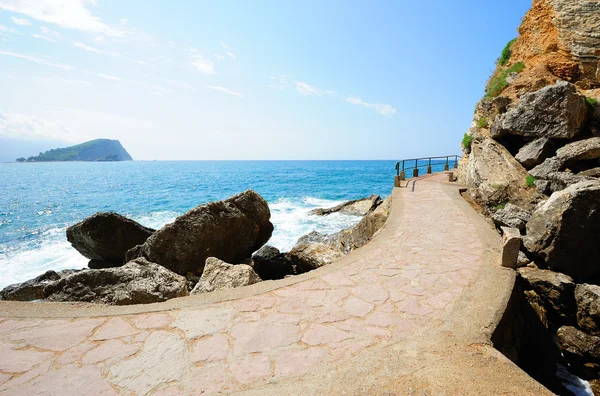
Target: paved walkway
(320,333)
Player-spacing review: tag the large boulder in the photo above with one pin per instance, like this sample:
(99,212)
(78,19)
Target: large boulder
(313,256)
(270,263)
(535,152)
(230,230)
(137,282)
(107,236)
(588,308)
(581,350)
(33,289)
(511,216)
(587,149)
(312,237)
(359,207)
(558,181)
(551,295)
(543,170)
(358,236)
(594,172)
(219,275)
(557,112)
(564,231)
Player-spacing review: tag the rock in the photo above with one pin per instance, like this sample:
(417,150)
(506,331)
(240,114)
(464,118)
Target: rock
(32,289)
(557,111)
(219,275)
(312,237)
(313,256)
(359,207)
(107,236)
(512,216)
(543,187)
(270,263)
(581,350)
(229,230)
(535,152)
(560,180)
(564,231)
(98,264)
(511,243)
(588,308)
(353,238)
(137,282)
(522,260)
(587,149)
(544,169)
(594,172)
(551,293)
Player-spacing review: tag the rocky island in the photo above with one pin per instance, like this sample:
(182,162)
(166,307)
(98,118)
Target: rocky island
(93,150)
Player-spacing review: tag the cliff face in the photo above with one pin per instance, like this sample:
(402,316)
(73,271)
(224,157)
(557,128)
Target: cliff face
(94,150)
(532,162)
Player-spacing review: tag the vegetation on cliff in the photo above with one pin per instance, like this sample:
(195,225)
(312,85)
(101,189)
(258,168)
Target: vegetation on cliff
(94,150)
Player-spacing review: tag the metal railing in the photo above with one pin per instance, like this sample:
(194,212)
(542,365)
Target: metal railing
(401,166)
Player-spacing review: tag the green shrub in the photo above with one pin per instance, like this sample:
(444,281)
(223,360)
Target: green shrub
(530,181)
(506,53)
(466,141)
(500,207)
(498,81)
(482,123)
(592,102)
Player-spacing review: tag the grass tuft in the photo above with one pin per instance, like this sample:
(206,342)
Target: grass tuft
(506,53)
(482,122)
(530,181)
(498,82)
(592,102)
(466,141)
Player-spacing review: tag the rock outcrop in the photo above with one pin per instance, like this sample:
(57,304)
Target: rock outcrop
(588,308)
(556,112)
(512,216)
(535,152)
(359,207)
(581,350)
(564,231)
(33,289)
(219,275)
(229,230)
(313,256)
(107,236)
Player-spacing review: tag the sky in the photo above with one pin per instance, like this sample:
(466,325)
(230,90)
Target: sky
(238,80)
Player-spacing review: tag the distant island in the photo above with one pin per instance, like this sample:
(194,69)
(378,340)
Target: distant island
(94,150)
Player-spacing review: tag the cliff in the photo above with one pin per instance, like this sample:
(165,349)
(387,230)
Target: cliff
(94,150)
(531,159)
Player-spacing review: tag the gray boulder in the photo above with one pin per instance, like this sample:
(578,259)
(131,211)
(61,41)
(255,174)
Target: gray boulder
(535,152)
(230,230)
(594,172)
(270,263)
(581,350)
(33,289)
(560,180)
(588,308)
(511,216)
(137,282)
(219,275)
(359,207)
(107,236)
(564,231)
(522,260)
(312,237)
(587,149)
(551,295)
(557,112)
(544,169)
(313,256)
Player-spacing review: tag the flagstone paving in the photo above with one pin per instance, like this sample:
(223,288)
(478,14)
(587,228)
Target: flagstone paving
(398,285)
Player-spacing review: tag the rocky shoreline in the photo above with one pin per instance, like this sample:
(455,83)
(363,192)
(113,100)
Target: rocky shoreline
(218,245)
(532,162)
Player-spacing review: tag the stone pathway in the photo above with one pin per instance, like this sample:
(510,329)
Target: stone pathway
(391,289)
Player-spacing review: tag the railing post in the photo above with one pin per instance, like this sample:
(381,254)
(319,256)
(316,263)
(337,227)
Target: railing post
(429,167)
(402,164)
(456,162)
(446,167)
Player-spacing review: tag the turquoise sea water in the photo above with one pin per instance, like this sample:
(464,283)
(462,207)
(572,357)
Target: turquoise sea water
(39,200)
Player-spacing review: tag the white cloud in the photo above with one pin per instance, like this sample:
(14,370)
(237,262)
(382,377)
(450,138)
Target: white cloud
(231,55)
(152,87)
(94,49)
(7,29)
(75,82)
(308,90)
(29,127)
(179,84)
(278,83)
(108,77)
(202,65)
(225,46)
(171,44)
(219,57)
(68,14)
(225,90)
(99,39)
(21,21)
(36,60)
(47,34)
(383,109)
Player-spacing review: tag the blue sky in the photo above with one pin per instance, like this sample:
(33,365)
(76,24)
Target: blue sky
(199,80)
